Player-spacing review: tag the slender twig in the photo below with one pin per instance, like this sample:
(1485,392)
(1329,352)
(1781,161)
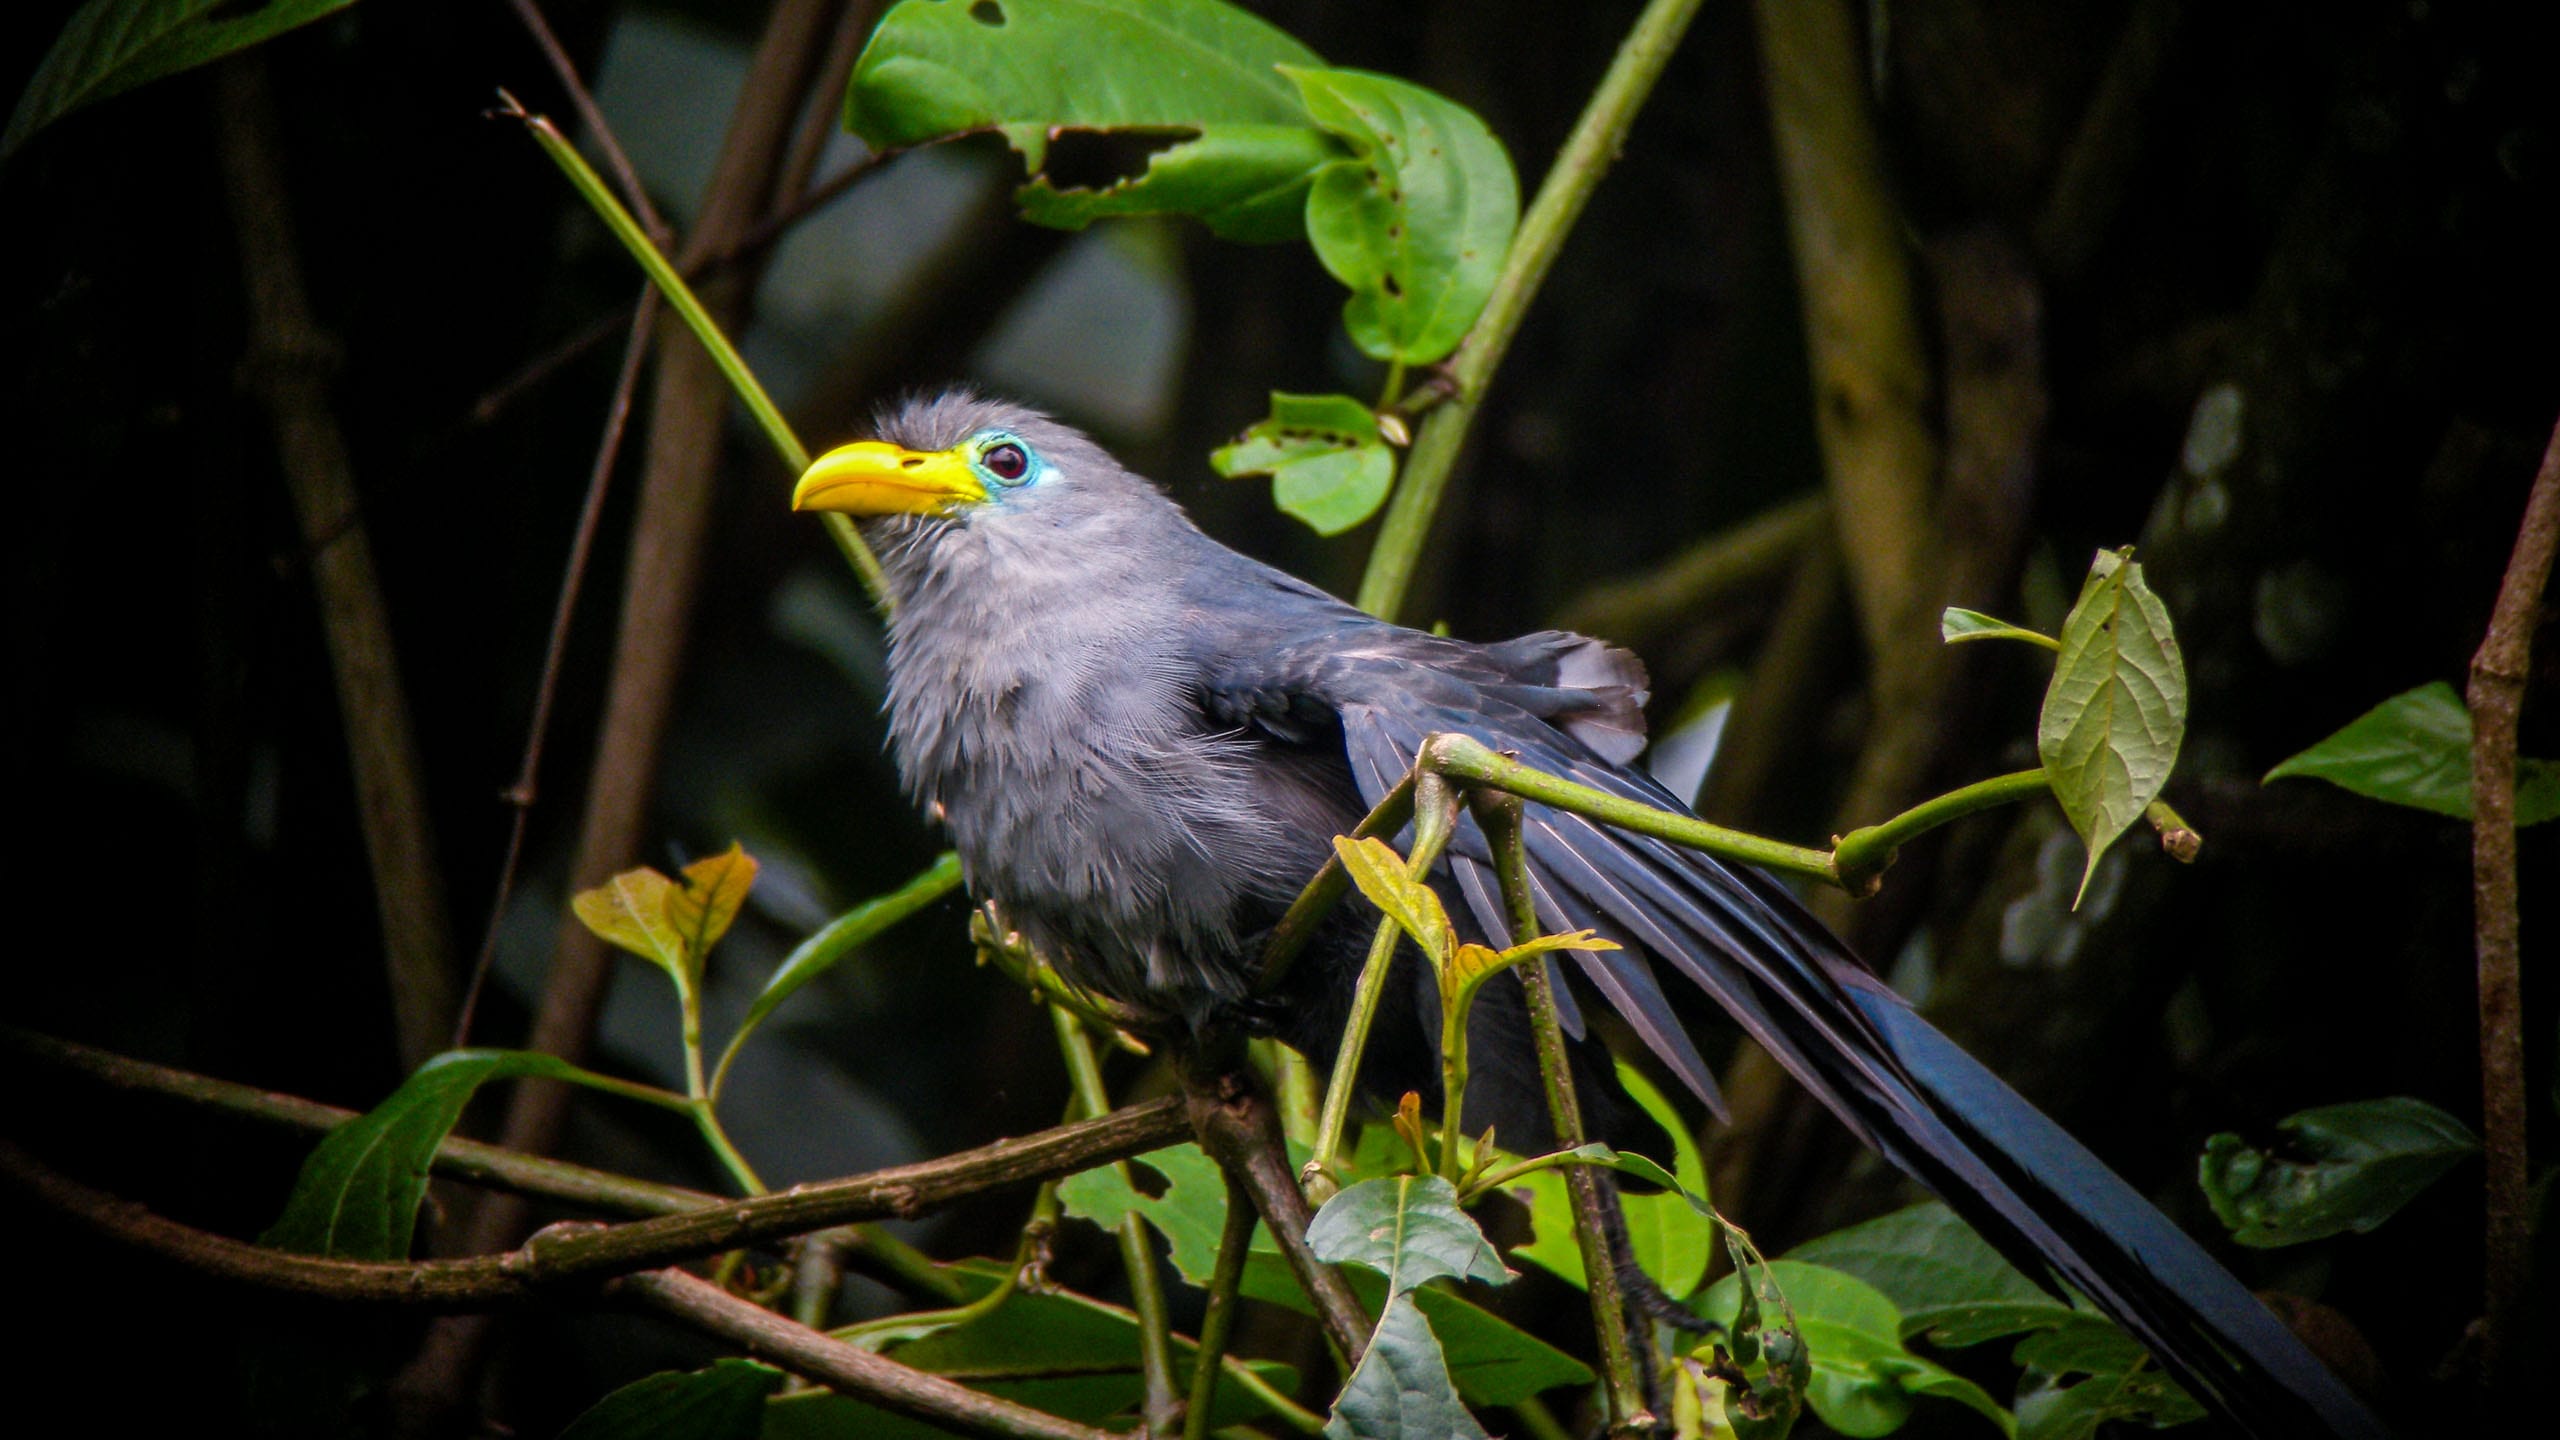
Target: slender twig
(824,112)
(1240,1131)
(591,119)
(520,795)
(848,1369)
(569,1253)
(1587,155)
(2496,696)
(1137,1251)
(1219,1320)
(289,365)
(1435,809)
(1500,817)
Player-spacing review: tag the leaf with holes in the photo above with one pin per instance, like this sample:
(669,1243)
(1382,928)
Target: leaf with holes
(1417,221)
(1328,464)
(1190,1213)
(109,46)
(1408,1228)
(2117,708)
(1176,105)
(1861,1378)
(357,1196)
(2414,749)
(1380,873)
(2339,1167)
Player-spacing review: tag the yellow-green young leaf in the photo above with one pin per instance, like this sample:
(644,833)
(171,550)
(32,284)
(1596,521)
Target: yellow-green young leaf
(2117,708)
(714,891)
(1470,965)
(1380,872)
(1957,624)
(631,911)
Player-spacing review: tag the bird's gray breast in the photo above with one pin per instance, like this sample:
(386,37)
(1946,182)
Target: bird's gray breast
(1057,735)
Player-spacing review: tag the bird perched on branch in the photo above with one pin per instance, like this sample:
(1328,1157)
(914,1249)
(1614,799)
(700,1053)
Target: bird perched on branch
(1143,742)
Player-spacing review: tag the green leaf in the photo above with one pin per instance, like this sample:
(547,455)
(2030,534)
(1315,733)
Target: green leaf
(358,1194)
(1863,1378)
(1417,221)
(1196,77)
(2120,1383)
(630,913)
(840,937)
(2414,749)
(1945,1279)
(1767,1345)
(1190,1214)
(1328,464)
(1407,1228)
(2117,707)
(1493,1361)
(1401,1389)
(722,1401)
(1956,625)
(1380,873)
(2340,1167)
(1673,1233)
(110,46)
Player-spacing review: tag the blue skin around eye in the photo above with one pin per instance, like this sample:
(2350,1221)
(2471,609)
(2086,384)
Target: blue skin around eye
(1034,471)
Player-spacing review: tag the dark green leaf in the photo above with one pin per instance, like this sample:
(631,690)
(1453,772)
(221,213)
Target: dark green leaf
(1766,1343)
(1190,1214)
(2120,1383)
(723,1401)
(1195,80)
(1327,463)
(1418,221)
(1407,1228)
(1401,1389)
(2414,749)
(2339,1167)
(110,46)
(358,1193)
(2117,708)
(1941,1276)
(1493,1361)
(1863,1378)
(843,935)
(1957,624)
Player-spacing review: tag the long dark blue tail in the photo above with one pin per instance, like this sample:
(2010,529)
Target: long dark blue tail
(2032,1190)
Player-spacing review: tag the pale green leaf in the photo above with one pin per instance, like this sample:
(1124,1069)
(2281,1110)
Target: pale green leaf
(1408,1228)
(1329,466)
(1190,1214)
(2116,710)
(1401,1388)
(1380,872)
(1956,624)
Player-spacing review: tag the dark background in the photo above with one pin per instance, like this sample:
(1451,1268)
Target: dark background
(2338,217)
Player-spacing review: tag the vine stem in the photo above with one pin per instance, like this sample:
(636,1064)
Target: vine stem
(1587,155)
(1219,1320)
(2496,695)
(1628,1414)
(1162,1412)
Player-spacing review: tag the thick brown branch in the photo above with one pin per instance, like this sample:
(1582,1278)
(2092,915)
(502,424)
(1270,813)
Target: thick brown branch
(845,1368)
(567,1254)
(1241,1132)
(2496,697)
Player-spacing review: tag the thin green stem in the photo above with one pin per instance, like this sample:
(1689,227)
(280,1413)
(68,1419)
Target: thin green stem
(1469,760)
(1218,1321)
(901,1261)
(1298,926)
(1137,1253)
(632,1090)
(730,1160)
(1500,817)
(1435,816)
(662,272)
(1862,855)
(1586,156)
(1539,1421)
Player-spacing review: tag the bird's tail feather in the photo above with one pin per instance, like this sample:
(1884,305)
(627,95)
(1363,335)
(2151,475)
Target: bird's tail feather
(2031,1189)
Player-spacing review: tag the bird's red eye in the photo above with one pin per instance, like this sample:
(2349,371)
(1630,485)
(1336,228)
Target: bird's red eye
(1006,462)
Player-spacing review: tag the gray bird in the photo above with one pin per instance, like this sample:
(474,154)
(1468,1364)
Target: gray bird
(1142,742)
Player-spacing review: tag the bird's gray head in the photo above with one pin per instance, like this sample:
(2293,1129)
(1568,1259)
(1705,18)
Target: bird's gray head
(957,462)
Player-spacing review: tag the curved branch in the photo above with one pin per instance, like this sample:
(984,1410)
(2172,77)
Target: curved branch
(583,1251)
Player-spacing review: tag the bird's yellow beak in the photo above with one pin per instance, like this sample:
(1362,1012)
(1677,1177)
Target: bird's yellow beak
(873,477)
